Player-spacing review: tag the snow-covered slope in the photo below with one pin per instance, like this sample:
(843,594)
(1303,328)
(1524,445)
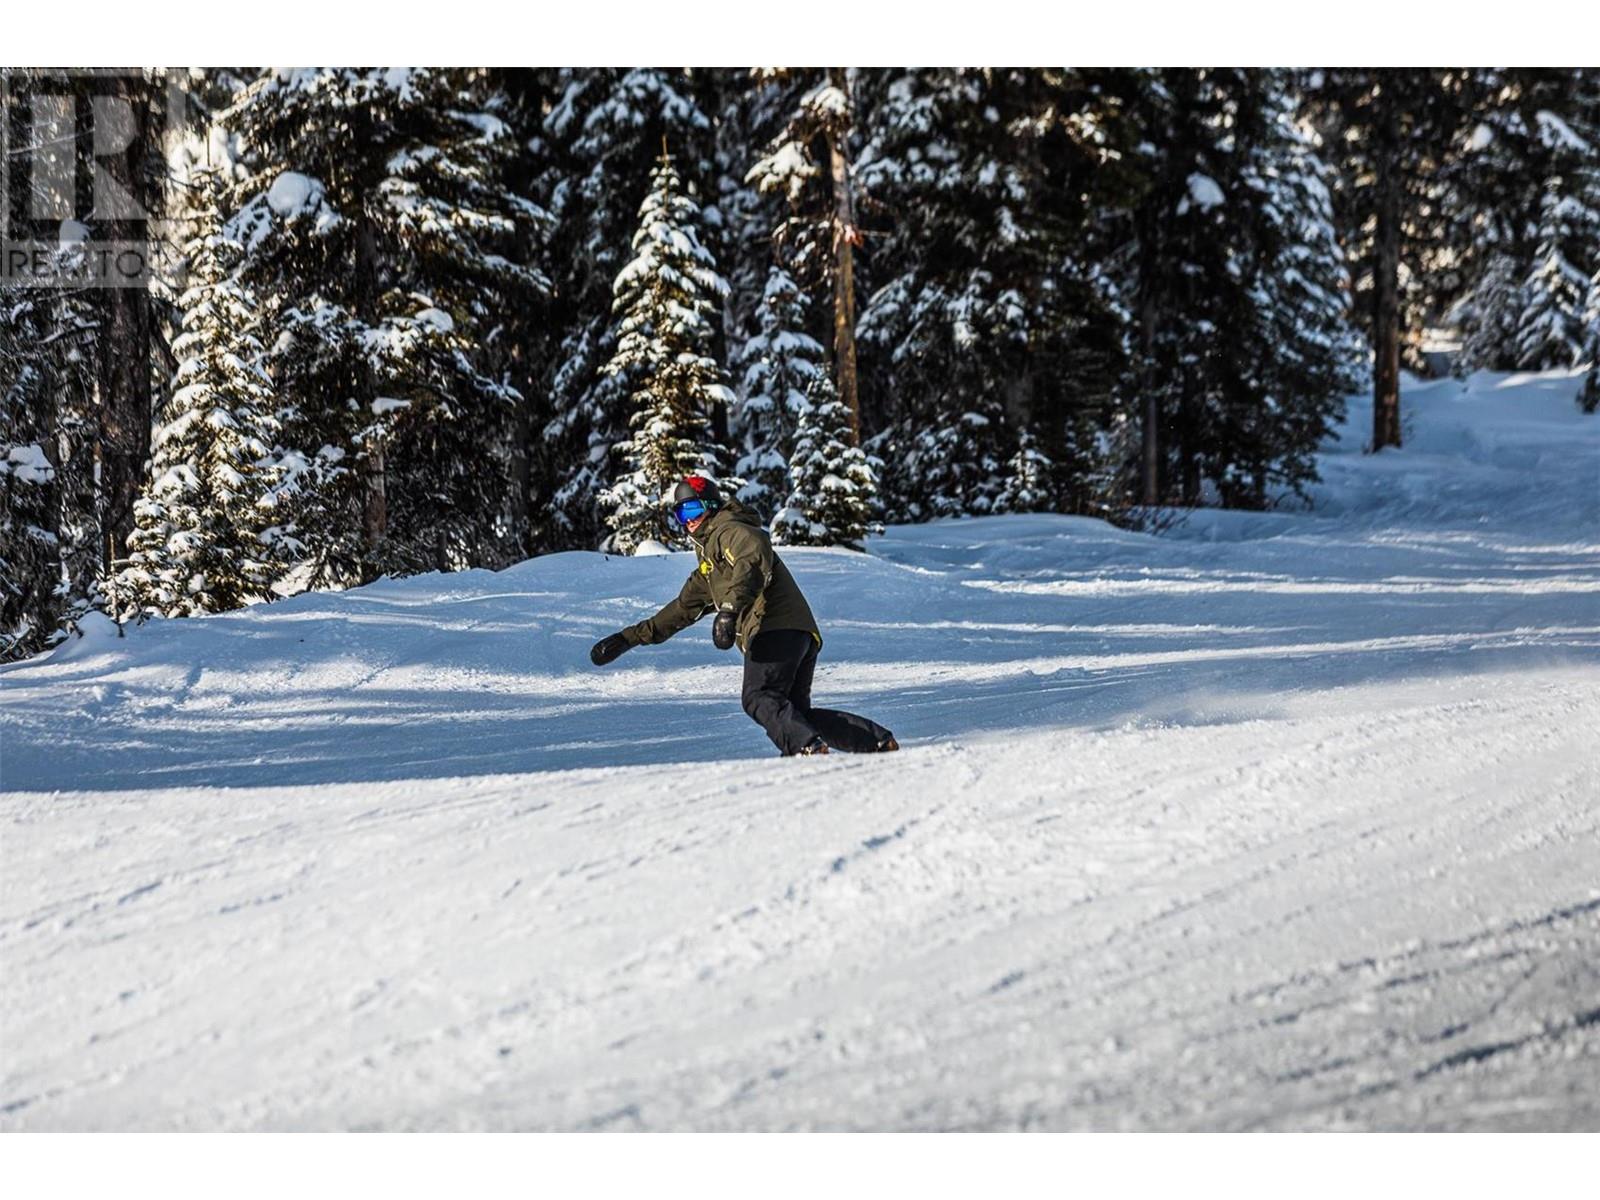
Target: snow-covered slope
(1278,821)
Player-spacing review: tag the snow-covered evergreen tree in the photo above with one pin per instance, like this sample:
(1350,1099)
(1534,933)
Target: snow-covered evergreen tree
(602,133)
(1300,352)
(748,111)
(833,484)
(809,166)
(781,363)
(985,303)
(388,247)
(1027,485)
(954,466)
(1396,140)
(1520,195)
(1491,191)
(1551,329)
(29,562)
(1245,344)
(50,484)
(204,531)
(794,168)
(1487,316)
(944,321)
(668,299)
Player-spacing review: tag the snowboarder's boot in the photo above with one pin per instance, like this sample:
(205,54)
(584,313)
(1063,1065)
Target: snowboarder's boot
(815,746)
(888,744)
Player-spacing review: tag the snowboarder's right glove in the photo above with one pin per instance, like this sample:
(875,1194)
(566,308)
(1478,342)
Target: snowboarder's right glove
(609,649)
(724,629)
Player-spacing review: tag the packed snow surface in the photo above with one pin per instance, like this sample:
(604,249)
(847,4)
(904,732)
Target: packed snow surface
(1283,820)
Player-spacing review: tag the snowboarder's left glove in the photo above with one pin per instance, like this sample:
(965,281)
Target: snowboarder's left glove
(609,649)
(724,629)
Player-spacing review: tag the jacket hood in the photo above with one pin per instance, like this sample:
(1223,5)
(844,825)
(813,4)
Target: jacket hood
(731,512)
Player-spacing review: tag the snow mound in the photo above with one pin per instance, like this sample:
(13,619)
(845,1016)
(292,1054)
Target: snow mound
(1204,193)
(293,193)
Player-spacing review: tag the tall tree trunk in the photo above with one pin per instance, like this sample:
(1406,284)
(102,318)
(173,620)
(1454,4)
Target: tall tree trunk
(127,328)
(521,500)
(1188,456)
(1389,205)
(845,239)
(1589,398)
(1150,449)
(375,514)
(720,430)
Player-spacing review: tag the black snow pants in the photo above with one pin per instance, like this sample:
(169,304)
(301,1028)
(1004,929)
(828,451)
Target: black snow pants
(777,694)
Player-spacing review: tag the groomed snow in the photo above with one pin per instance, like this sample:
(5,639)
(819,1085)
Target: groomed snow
(1279,820)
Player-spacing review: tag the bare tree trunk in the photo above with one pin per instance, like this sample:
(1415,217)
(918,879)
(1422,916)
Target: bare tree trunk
(1152,450)
(1151,434)
(124,442)
(1390,198)
(720,431)
(845,239)
(375,515)
(1188,458)
(125,420)
(522,477)
(375,521)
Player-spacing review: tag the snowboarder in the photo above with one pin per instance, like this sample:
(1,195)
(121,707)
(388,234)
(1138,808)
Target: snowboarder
(761,610)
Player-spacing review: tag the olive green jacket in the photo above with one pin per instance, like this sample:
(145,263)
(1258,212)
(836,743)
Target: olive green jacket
(735,569)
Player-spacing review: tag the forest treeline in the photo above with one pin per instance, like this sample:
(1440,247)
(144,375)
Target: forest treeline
(418,320)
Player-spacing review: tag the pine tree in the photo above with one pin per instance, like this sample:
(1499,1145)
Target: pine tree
(748,112)
(29,506)
(809,164)
(79,356)
(51,493)
(599,139)
(1489,314)
(667,299)
(1551,330)
(1399,136)
(953,467)
(388,248)
(833,483)
(1027,486)
(782,362)
(1518,195)
(982,184)
(204,536)
(1245,347)
(1297,357)
(458,230)
(1490,190)
(949,325)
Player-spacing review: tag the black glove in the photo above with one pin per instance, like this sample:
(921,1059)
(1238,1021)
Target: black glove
(724,629)
(609,649)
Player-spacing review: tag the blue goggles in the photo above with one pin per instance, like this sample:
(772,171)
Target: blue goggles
(689,510)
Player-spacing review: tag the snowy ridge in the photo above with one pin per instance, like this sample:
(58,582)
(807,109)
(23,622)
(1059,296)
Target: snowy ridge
(1282,820)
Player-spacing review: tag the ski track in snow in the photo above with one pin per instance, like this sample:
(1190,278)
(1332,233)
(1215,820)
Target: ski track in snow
(1279,821)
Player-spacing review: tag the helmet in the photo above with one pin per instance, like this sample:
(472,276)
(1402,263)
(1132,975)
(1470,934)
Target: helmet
(694,498)
(697,487)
